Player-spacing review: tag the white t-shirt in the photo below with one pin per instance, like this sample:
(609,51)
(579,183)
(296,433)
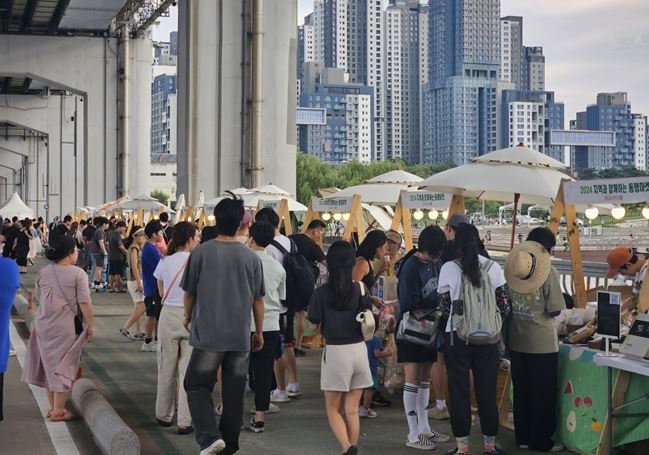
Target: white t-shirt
(166,270)
(276,254)
(275,286)
(450,280)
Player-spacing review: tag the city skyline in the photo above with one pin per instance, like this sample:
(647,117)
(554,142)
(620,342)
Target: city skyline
(581,61)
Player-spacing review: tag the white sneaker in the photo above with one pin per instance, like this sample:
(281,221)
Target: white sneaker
(293,390)
(366,413)
(216,447)
(149,347)
(436,436)
(421,442)
(12,353)
(558,447)
(279,396)
(272,409)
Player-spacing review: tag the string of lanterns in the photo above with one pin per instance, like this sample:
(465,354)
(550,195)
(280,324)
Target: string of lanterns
(617,212)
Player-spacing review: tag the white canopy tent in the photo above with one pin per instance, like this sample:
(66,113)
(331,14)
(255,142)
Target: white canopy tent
(384,189)
(252,197)
(141,202)
(16,207)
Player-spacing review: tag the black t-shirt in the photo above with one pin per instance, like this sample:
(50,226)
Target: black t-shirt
(337,326)
(308,248)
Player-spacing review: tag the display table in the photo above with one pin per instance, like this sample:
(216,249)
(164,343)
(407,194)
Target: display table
(583,401)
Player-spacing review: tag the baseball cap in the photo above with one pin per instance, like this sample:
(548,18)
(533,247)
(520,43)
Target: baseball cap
(616,258)
(394,236)
(458,218)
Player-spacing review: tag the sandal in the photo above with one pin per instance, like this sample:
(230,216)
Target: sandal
(64,416)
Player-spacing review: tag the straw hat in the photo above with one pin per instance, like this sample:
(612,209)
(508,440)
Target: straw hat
(527,267)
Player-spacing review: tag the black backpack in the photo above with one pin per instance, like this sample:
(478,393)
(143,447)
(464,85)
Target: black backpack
(299,276)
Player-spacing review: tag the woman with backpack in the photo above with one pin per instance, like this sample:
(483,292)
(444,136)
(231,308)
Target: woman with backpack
(345,370)
(417,290)
(474,294)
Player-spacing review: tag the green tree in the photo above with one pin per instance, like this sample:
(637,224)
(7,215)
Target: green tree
(313,174)
(160,196)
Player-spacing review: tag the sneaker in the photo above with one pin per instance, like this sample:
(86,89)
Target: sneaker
(299,352)
(279,396)
(149,347)
(125,334)
(438,414)
(366,413)
(437,437)
(139,336)
(421,442)
(558,447)
(272,409)
(380,401)
(293,390)
(256,427)
(216,447)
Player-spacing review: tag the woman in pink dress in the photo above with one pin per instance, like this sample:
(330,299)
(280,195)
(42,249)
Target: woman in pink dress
(54,350)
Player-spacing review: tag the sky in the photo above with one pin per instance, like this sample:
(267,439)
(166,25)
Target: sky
(590,46)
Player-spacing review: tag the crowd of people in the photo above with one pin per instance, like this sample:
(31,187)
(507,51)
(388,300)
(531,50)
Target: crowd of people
(229,305)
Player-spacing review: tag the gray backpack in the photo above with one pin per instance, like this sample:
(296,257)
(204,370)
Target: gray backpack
(476,317)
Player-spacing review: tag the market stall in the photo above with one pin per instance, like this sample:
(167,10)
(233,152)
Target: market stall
(419,201)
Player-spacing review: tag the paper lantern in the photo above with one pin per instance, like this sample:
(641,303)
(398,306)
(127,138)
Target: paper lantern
(433,214)
(418,215)
(618,212)
(591,212)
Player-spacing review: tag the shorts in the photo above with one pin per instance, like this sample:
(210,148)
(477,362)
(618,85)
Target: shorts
(345,367)
(287,326)
(414,353)
(136,295)
(115,267)
(99,259)
(153,306)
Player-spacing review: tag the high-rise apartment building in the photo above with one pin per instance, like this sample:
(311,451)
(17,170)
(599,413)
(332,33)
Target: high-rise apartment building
(406,49)
(163,115)
(349,35)
(347,134)
(521,65)
(511,48)
(613,113)
(528,117)
(305,46)
(462,104)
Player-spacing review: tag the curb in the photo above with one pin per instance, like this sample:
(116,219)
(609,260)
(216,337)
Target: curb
(110,432)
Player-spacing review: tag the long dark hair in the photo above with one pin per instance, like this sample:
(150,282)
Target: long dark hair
(373,240)
(467,243)
(183,233)
(340,262)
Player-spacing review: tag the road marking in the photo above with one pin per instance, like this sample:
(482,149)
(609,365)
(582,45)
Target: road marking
(59,433)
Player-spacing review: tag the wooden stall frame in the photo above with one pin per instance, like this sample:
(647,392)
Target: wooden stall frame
(353,224)
(283,212)
(403,220)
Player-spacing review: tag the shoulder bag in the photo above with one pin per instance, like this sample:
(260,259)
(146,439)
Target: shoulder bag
(173,281)
(365,317)
(78,317)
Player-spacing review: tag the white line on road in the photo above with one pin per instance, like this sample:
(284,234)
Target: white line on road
(59,433)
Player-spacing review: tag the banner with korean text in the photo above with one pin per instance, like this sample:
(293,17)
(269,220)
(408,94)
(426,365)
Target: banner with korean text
(425,200)
(613,191)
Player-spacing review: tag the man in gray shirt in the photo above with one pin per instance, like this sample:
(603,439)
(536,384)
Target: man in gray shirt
(222,281)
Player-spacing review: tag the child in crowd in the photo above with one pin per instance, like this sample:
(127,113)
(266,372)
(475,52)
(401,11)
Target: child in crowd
(375,351)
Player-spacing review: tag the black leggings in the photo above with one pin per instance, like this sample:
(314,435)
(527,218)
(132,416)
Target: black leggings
(483,360)
(2,380)
(261,366)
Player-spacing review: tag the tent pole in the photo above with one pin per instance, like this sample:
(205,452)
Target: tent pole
(517,196)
